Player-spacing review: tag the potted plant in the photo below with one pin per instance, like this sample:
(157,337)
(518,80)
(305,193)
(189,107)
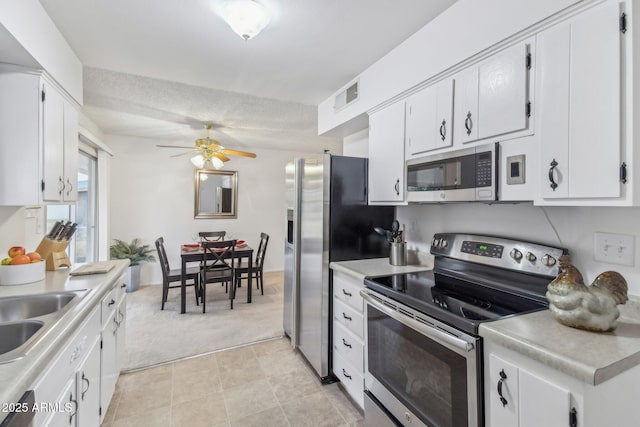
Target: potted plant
(136,252)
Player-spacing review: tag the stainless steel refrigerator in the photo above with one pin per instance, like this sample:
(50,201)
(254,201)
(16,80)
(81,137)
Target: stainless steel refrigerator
(328,219)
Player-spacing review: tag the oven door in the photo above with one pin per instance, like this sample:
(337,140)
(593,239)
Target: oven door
(424,372)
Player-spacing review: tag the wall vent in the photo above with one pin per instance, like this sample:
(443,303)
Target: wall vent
(346,97)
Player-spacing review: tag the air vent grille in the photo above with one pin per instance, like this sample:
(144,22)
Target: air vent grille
(346,97)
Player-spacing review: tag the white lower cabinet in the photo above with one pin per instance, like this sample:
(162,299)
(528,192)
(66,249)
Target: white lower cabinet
(113,319)
(522,392)
(76,388)
(59,406)
(348,335)
(521,398)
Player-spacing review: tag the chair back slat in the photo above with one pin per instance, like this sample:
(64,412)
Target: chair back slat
(262,249)
(212,236)
(216,255)
(162,255)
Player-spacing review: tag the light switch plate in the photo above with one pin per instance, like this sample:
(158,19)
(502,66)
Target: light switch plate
(614,248)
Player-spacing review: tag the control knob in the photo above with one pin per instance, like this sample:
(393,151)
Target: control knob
(516,254)
(443,243)
(548,260)
(531,257)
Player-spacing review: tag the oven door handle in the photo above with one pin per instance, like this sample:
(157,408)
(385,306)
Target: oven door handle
(426,330)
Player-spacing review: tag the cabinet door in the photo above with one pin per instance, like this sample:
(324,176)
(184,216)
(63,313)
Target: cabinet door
(70,153)
(580,88)
(121,314)
(53,144)
(66,413)
(542,403)
(503,93)
(465,121)
(108,363)
(429,118)
(88,392)
(386,154)
(19,139)
(420,121)
(503,384)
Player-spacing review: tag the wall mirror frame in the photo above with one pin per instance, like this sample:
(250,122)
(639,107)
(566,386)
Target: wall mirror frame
(216,194)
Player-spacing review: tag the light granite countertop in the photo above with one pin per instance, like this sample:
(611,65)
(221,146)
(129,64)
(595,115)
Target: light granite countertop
(359,269)
(591,357)
(18,376)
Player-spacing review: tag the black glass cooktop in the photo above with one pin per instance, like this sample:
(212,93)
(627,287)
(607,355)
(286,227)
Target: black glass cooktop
(455,301)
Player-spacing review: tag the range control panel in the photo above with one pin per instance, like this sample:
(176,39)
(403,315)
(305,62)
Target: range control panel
(501,252)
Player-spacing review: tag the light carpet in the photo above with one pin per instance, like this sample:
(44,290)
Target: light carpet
(156,336)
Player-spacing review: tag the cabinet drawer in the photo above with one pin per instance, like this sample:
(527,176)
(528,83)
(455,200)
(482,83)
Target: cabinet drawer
(70,357)
(348,317)
(348,291)
(109,304)
(349,347)
(351,379)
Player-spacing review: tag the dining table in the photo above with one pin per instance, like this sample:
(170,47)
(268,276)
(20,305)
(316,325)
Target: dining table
(194,253)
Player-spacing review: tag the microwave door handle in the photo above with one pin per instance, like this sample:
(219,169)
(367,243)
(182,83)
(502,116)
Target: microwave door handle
(428,331)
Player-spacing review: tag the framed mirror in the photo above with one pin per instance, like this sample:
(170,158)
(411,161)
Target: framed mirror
(216,194)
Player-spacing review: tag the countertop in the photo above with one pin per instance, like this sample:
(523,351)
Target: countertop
(591,357)
(359,269)
(18,376)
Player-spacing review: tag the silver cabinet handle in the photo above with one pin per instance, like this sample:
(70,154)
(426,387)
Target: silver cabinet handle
(60,186)
(397,187)
(70,187)
(443,130)
(552,180)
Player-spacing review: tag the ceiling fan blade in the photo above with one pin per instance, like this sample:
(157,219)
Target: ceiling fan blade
(222,157)
(185,154)
(238,153)
(174,146)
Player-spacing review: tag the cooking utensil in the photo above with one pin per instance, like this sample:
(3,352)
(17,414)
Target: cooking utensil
(395,226)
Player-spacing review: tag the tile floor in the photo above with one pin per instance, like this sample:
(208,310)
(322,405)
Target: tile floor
(266,384)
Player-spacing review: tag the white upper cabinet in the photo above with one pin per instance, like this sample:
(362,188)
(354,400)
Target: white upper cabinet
(60,147)
(503,92)
(429,116)
(386,155)
(39,142)
(492,99)
(579,96)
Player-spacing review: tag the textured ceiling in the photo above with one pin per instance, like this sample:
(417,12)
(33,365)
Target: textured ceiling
(310,49)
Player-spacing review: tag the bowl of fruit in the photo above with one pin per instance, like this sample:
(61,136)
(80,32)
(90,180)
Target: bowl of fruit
(21,267)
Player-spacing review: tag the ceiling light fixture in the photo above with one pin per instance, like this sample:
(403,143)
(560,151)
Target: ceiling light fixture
(246,17)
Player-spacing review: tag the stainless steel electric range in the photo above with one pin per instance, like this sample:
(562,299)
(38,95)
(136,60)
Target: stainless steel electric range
(423,355)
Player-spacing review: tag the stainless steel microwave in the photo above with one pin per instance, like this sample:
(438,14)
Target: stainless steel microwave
(466,175)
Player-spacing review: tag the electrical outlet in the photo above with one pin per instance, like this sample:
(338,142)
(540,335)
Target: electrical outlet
(614,248)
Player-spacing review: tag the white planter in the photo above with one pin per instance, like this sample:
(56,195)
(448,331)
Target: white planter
(132,279)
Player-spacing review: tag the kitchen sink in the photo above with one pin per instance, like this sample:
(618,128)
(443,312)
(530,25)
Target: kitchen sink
(15,334)
(28,306)
(26,319)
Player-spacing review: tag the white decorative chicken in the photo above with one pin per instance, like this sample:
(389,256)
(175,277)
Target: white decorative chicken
(586,307)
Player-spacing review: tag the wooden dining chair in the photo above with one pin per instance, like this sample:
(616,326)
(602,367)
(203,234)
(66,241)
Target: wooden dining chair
(170,276)
(242,269)
(212,236)
(217,266)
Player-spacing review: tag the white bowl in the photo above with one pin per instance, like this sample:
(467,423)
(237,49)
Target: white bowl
(22,273)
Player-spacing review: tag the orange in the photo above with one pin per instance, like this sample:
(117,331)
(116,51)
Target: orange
(20,259)
(34,256)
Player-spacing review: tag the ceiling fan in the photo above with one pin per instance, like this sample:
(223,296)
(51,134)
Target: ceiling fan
(210,151)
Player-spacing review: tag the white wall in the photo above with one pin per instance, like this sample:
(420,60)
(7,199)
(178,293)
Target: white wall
(575,226)
(18,227)
(357,144)
(152,195)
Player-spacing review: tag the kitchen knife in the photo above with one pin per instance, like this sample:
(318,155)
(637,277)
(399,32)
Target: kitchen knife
(69,232)
(62,231)
(54,230)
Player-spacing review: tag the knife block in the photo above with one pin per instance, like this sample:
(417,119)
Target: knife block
(53,252)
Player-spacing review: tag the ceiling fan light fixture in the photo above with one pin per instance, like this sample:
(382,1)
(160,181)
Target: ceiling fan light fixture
(217,163)
(198,161)
(246,17)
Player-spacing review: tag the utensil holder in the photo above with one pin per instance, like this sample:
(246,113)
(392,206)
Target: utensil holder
(398,254)
(53,252)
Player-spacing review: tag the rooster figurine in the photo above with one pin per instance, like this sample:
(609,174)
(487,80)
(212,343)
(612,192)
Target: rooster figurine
(586,307)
